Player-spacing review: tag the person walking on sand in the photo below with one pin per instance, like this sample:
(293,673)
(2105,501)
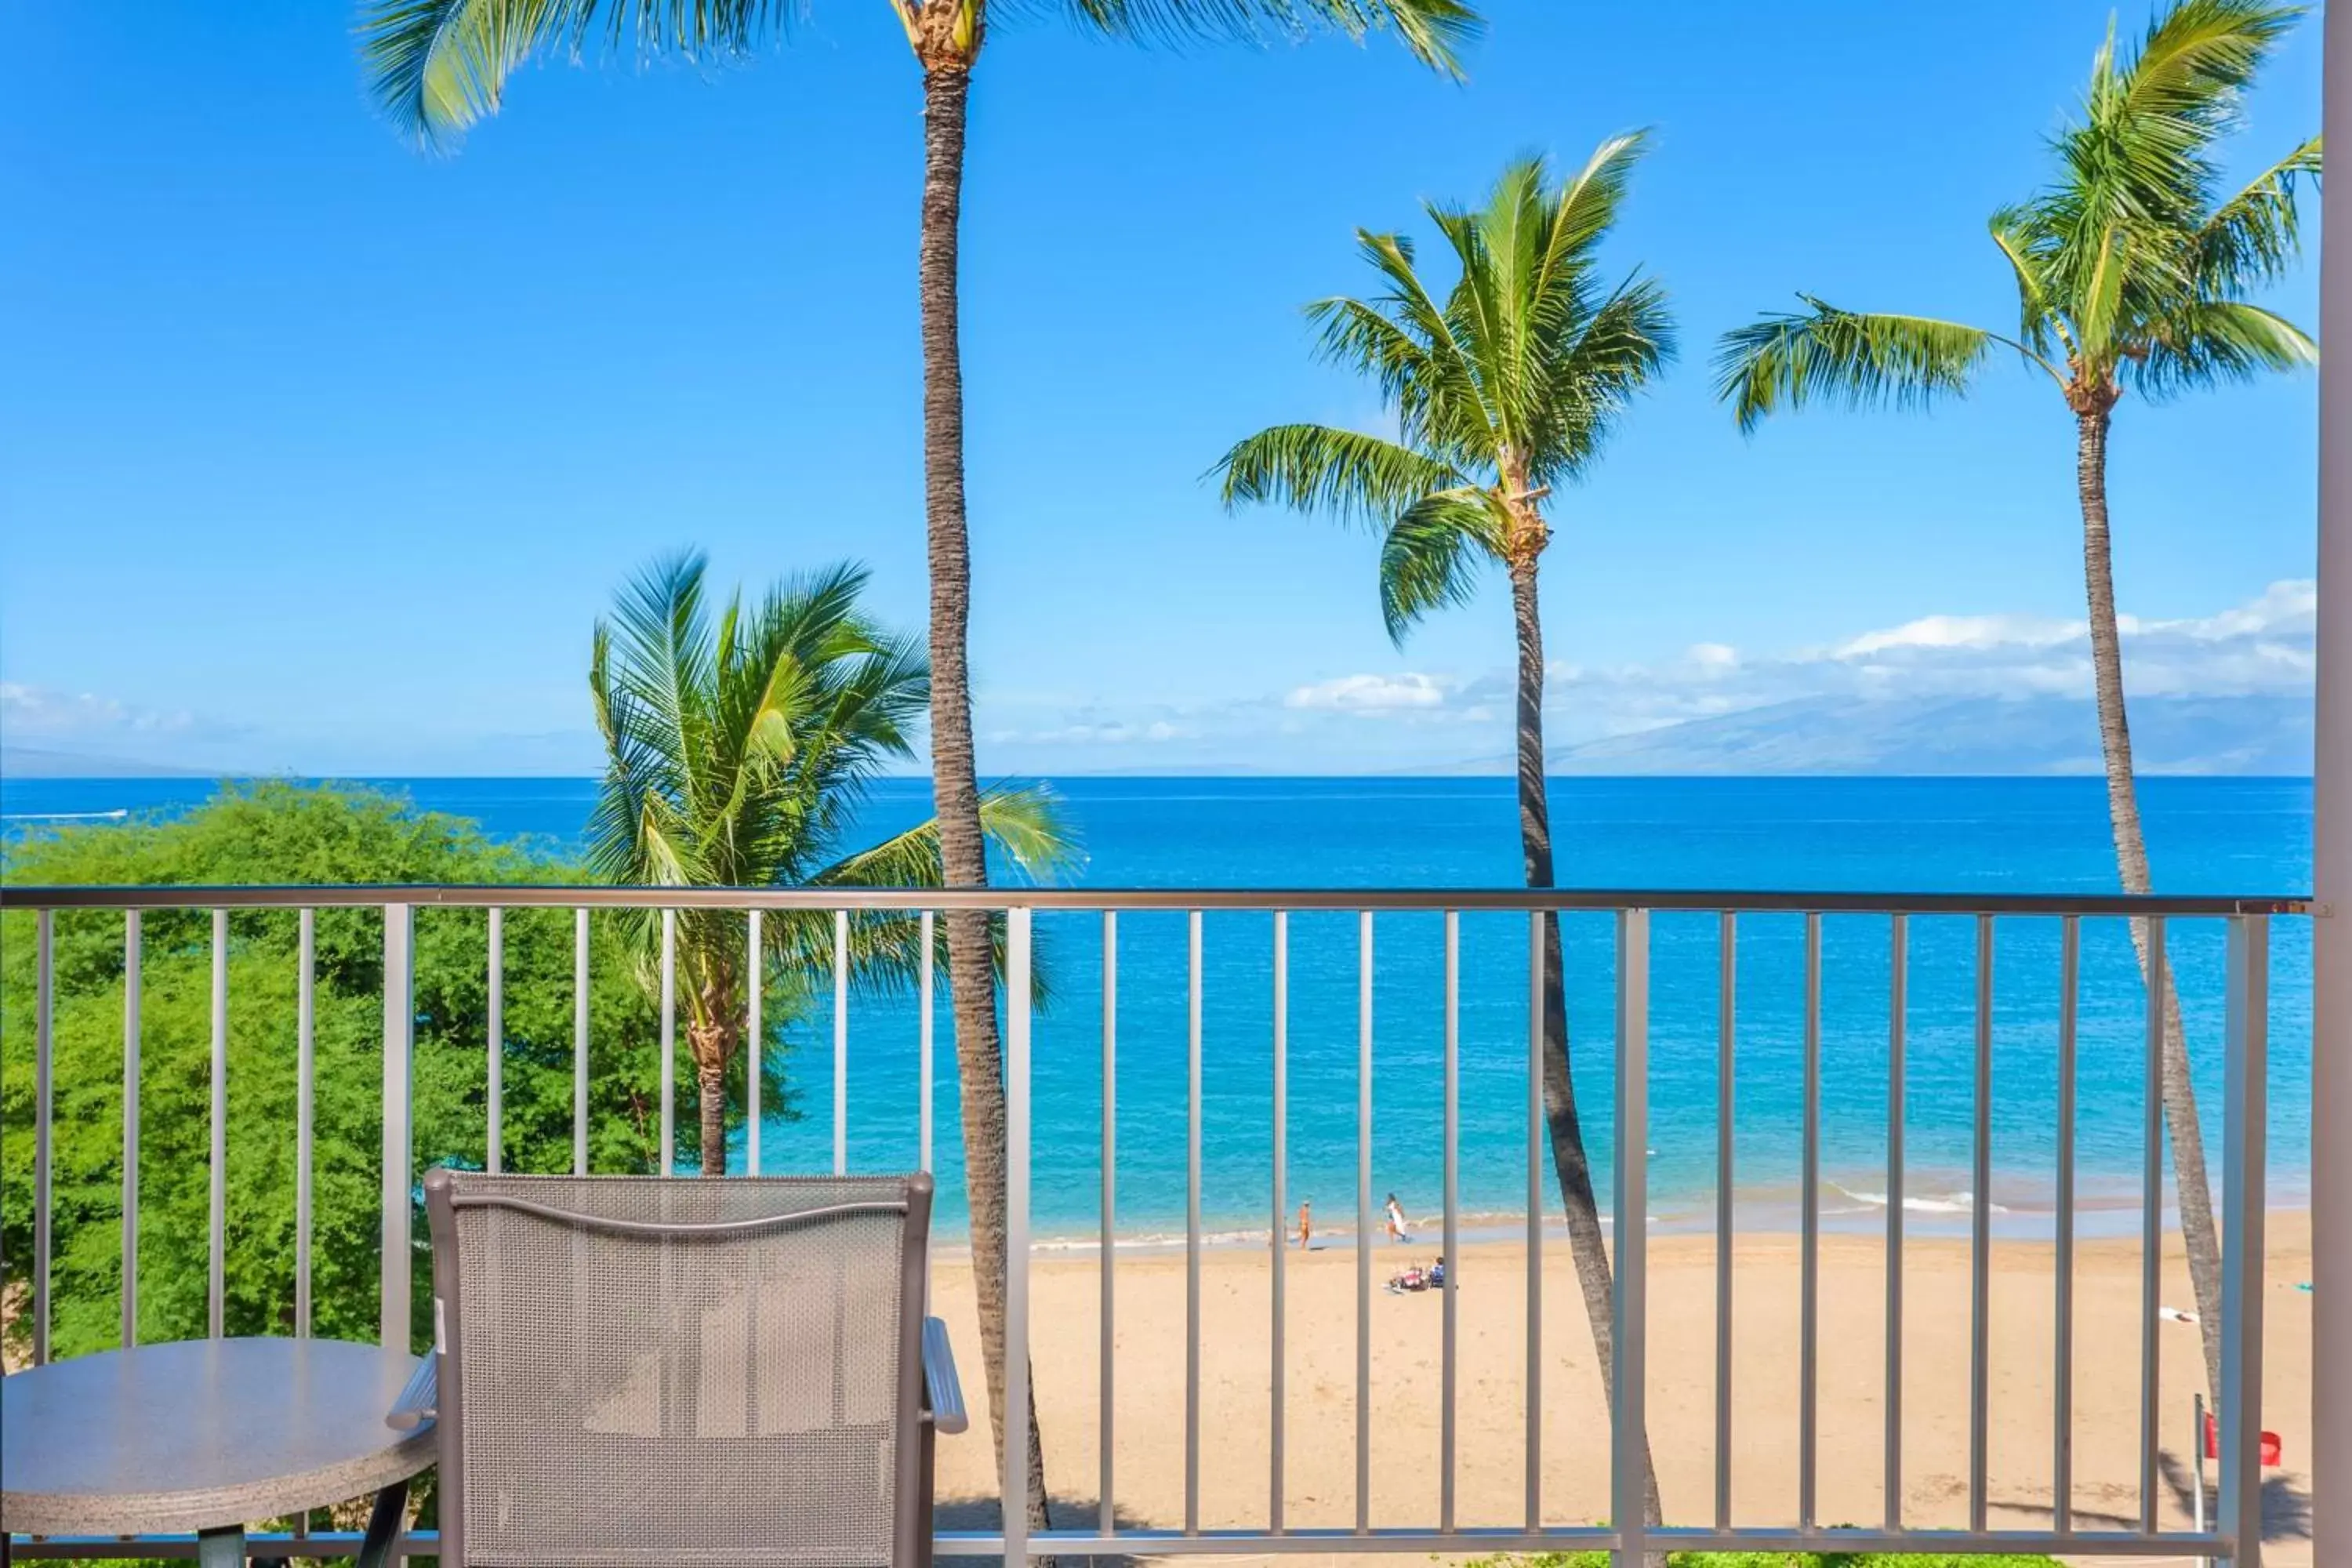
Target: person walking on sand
(1397,1231)
(1305,1228)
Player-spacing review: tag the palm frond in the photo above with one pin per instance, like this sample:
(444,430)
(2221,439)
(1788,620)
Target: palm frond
(2255,236)
(1442,395)
(1430,555)
(1497,254)
(1586,210)
(2198,57)
(436,68)
(1364,478)
(2219,340)
(2039,319)
(1786,361)
(1024,823)
(1593,375)
(1435,31)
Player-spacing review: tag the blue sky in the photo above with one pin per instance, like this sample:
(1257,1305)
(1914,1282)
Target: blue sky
(321,455)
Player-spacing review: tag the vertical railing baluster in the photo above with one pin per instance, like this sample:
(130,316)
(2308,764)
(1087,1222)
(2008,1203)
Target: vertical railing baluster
(1726,998)
(217,1207)
(1628,1439)
(1277,1392)
(2062,1414)
(399,1056)
(841,1042)
(44,943)
(1016,1236)
(1363,1221)
(2151,1433)
(755,1036)
(1105,1359)
(1538,1127)
(398,1133)
(1808,1309)
(580,1042)
(1898,1007)
(926,1038)
(494,1135)
(1192,1226)
(131,1008)
(2245,1139)
(1449,1378)
(1980,1239)
(669,1042)
(306,1110)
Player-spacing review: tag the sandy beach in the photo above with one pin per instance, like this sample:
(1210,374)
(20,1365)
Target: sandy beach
(1149,1450)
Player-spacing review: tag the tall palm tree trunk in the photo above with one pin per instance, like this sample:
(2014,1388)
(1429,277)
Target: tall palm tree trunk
(955,786)
(1569,1158)
(711,1090)
(2195,1194)
(711,1045)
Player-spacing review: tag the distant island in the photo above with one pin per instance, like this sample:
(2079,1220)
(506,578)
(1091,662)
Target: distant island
(33,763)
(2265,734)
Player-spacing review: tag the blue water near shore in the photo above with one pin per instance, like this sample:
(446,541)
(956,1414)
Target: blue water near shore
(2003,836)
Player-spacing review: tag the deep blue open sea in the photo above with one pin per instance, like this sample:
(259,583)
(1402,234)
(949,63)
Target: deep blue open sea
(2007,836)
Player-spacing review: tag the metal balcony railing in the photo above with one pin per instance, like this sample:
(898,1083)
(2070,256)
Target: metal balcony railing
(2235,1534)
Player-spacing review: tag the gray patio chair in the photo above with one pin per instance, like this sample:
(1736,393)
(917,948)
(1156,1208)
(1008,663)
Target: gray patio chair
(644,1372)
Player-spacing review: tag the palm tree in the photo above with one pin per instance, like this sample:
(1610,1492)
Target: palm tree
(1506,389)
(2132,269)
(737,757)
(438,65)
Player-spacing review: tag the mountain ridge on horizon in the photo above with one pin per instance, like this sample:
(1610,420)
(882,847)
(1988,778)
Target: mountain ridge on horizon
(2253,735)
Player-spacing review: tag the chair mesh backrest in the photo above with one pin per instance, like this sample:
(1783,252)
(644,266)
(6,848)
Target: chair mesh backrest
(704,1398)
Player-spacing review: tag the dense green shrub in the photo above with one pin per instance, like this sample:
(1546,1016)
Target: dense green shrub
(282,833)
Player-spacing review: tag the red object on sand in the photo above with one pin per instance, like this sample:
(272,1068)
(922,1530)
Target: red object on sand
(2273,1450)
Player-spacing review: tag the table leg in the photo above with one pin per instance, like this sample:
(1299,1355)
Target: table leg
(384,1525)
(221,1548)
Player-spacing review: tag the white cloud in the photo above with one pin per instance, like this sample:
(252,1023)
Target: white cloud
(1090,731)
(1372,694)
(28,711)
(1373,722)
(1712,656)
(2262,646)
(1962,632)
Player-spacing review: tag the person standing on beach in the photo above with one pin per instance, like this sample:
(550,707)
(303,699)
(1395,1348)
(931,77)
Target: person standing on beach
(1396,1220)
(1306,1229)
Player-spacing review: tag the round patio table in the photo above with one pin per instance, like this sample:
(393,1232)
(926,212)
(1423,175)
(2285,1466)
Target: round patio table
(207,1436)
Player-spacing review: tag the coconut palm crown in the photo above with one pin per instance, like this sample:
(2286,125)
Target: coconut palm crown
(739,754)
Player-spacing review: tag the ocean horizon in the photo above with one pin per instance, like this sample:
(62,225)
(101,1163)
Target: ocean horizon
(2008,836)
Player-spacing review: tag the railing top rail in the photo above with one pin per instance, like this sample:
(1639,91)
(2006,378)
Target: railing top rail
(1712,900)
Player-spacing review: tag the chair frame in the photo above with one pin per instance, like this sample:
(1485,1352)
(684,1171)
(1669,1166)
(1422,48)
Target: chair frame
(929,1400)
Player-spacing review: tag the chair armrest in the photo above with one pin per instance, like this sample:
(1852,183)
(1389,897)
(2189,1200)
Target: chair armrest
(943,1395)
(419,1401)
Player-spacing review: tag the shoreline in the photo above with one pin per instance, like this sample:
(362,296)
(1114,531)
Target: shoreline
(1925,1221)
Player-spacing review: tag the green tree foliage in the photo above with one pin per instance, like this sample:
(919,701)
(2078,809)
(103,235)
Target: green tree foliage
(282,833)
(737,754)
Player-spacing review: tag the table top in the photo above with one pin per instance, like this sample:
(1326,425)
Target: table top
(200,1434)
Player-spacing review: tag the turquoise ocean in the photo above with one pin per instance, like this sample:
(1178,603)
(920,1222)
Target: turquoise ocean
(2208,836)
